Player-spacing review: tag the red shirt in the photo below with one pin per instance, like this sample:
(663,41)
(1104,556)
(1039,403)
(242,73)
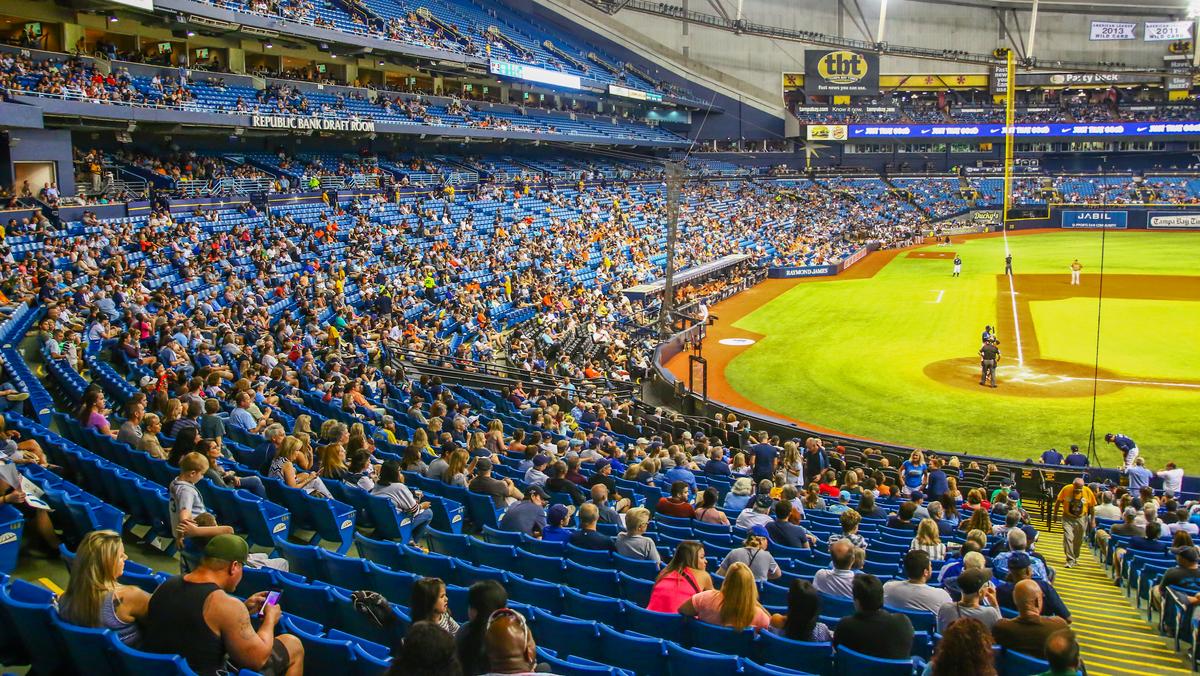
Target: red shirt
(682,509)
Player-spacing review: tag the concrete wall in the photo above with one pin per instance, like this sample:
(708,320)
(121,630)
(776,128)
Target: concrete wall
(43,145)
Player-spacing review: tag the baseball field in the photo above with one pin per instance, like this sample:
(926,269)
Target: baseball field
(889,352)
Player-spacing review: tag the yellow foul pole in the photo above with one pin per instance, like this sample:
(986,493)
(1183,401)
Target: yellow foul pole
(1009,119)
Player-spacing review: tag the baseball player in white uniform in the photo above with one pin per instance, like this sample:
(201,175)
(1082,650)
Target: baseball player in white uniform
(1076,267)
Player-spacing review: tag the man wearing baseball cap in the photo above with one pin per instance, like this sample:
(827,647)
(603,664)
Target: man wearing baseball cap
(755,555)
(528,515)
(197,617)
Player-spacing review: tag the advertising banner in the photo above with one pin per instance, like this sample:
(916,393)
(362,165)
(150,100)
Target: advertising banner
(841,72)
(1109,30)
(520,71)
(1166,219)
(313,123)
(909,131)
(826,132)
(791,272)
(1095,218)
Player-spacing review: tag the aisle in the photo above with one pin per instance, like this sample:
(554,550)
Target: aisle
(1114,636)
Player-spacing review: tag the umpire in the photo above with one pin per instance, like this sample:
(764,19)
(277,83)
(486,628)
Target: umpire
(989,354)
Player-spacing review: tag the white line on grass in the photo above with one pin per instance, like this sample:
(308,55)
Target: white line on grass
(1012,293)
(1136,382)
(940,293)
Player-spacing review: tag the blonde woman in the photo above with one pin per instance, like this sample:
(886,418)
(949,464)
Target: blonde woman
(792,465)
(911,474)
(333,462)
(494,441)
(734,605)
(304,460)
(303,425)
(94,598)
(283,467)
(149,441)
(929,541)
(456,469)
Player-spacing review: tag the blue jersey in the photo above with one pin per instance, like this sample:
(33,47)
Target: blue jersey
(1124,443)
(1052,457)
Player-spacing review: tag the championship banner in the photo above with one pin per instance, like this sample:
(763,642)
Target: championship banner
(310,123)
(1095,218)
(826,132)
(1163,31)
(1108,30)
(841,72)
(1164,220)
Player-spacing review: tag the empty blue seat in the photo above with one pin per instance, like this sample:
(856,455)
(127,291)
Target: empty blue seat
(496,536)
(595,580)
(545,595)
(30,609)
(565,636)
(533,566)
(684,662)
(347,572)
(449,544)
(635,589)
(799,655)
(134,662)
(1013,663)
(848,662)
(304,560)
(647,570)
(720,639)
(89,649)
(394,585)
(639,654)
(668,626)
(754,669)
(589,557)
(602,609)
(388,554)
(309,601)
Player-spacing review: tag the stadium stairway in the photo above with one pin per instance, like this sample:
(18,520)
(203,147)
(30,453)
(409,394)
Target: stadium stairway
(1115,638)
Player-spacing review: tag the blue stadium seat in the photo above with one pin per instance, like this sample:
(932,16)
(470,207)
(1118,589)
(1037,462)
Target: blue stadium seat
(720,639)
(1013,663)
(304,560)
(89,649)
(347,572)
(594,580)
(388,554)
(647,570)
(493,555)
(799,655)
(137,663)
(589,557)
(575,666)
(602,609)
(353,622)
(468,574)
(494,535)
(309,601)
(394,585)
(565,636)
(848,662)
(754,669)
(635,589)
(545,595)
(533,566)
(639,654)
(30,609)
(684,662)
(449,544)
(668,626)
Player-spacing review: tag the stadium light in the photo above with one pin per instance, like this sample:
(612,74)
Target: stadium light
(267,45)
(112,18)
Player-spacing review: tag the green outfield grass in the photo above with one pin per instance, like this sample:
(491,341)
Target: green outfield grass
(851,355)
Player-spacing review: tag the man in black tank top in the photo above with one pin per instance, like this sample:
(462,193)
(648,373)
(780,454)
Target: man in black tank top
(195,616)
